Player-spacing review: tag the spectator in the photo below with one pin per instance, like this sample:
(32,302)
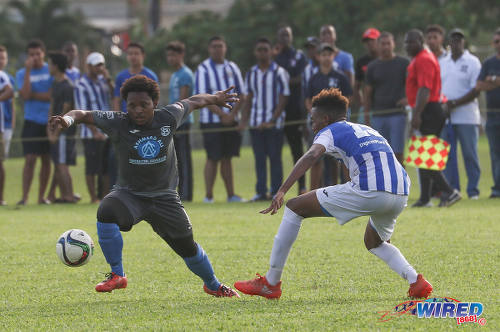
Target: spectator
(343,61)
(6,93)
(34,82)
(93,93)
(369,39)
(423,89)
(9,112)
(62,146)
(181,87)
(311,46)
(135,59)
(268,90)
(294,63)
(489,81)
(326,77)
(459,73)
(220,141)
(434,38)
(70,50)
(385,95)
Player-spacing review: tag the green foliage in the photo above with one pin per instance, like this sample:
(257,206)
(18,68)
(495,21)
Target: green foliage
(331,283)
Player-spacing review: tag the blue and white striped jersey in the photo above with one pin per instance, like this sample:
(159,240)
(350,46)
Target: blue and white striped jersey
(368,156)
(91,96)
(212,77)
(4,81)
(73,74)
(309,71)
(266,87)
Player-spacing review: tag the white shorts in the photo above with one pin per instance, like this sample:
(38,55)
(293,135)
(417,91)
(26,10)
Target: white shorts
(345,202)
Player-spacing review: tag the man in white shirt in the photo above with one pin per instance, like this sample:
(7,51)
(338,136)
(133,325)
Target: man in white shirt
(459,73)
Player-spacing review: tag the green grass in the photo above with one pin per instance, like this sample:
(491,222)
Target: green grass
(330,282)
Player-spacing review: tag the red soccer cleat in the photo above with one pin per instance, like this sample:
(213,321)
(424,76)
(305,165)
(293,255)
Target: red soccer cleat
(113,281)
(223,291)
(420,288)
(259,286)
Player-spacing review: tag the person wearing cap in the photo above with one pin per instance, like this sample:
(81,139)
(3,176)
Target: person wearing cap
(342,60)
(489,81)
(311,46)
(92,92)
(33,83)
(434,38)
(423,91)
(384,95)
(369,40)
(294,62)
(326,77)
(459,73)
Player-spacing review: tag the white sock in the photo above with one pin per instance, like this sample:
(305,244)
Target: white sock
(396,261)
(283,241)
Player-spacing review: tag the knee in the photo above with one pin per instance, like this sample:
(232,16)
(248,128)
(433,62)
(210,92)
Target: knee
(112,211)
(293,204)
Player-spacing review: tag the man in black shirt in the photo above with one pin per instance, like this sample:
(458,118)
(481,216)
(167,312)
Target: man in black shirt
(325,78)
(369,39)
(147,177)
(294,63)
(62,147)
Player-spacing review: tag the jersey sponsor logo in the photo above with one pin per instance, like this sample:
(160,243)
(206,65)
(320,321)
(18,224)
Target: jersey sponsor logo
(106,114)
(148,147)
(165,130)
(325,192)
(333,82)
(39,78)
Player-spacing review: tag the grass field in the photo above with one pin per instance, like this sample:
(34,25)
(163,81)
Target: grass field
(330,282)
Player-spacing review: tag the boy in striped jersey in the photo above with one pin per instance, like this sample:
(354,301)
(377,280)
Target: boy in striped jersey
(379,188)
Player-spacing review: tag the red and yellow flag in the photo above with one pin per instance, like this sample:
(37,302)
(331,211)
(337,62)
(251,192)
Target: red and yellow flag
(428,152)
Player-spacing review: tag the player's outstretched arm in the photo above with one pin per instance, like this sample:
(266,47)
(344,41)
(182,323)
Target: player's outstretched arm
(220,99)
(300,168)
(66,121)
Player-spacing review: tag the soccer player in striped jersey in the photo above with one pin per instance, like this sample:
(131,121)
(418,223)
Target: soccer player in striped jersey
(378,188)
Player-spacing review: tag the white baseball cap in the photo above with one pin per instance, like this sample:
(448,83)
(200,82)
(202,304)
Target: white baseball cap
(95,58)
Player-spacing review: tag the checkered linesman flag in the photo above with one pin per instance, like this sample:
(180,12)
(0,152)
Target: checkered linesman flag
(428,152)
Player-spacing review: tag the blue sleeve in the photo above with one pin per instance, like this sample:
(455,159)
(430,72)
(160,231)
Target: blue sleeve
(19,80)
(186,80)
(118,84)
(349,62)
(484,71)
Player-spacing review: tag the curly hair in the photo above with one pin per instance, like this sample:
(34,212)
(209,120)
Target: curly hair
(331,102)
(140,83)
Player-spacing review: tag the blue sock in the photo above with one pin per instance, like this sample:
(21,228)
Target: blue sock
(111,242)
(200,265)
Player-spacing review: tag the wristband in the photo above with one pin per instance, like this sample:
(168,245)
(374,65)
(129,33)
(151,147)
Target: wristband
(69,120)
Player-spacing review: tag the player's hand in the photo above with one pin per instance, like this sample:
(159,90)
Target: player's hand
(223,98)
(276,203)
(28,64)
(266,125)
(57,122)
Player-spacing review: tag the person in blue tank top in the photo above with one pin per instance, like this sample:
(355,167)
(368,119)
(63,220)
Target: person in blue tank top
(34,82)
(378,188)
(135,59)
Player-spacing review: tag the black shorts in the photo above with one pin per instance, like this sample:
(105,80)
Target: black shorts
(165,213)
(64,150)
(96,157)
(221,144)
(36,138)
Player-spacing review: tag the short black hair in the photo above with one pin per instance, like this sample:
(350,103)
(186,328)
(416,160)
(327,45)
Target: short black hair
(35,43)
(137,45)
(263,40)
(386,34)
(435,28)
(417,34)
(216,38)
(59,60)
(331,102)
(140,83)
(176,46)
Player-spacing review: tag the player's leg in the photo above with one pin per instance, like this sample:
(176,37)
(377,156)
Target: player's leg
(377,240)
(296,209)
(230,145)
(118,211)
(171,222)
(213,148)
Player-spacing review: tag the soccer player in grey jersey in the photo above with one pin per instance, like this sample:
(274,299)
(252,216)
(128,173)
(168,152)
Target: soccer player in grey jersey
(147,177)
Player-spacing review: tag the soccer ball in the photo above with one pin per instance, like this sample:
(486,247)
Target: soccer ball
(75,247)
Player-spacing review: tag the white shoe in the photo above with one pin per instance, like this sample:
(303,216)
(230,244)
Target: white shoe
(236,199)
(208,200)
(474,198)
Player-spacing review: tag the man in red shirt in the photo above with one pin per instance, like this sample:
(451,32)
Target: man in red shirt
(423,90)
